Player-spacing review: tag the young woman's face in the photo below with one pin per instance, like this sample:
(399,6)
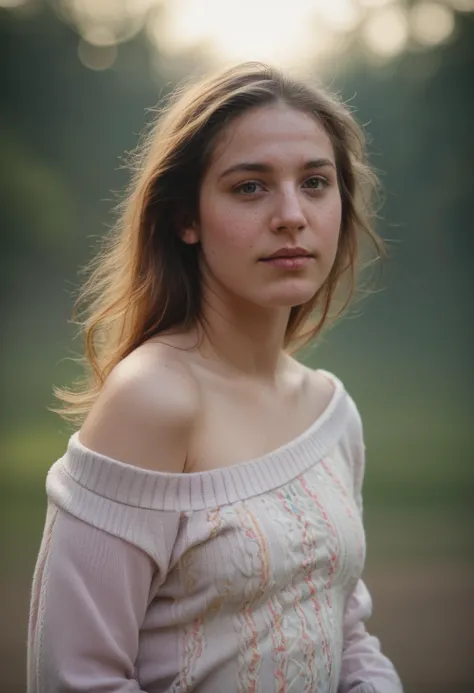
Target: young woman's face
(271,189)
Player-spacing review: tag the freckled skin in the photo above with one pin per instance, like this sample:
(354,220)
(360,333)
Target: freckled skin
(247,215)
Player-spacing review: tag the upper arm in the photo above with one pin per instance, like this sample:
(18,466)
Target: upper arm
(90,596)
(145,412)
(355,451)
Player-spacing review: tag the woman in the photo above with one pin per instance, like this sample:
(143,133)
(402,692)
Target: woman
(204,526)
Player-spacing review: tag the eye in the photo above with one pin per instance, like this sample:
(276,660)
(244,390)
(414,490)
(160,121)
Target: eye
(316,183)
(247,188)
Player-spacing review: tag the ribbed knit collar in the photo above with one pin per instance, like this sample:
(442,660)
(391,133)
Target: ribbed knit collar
(142,488)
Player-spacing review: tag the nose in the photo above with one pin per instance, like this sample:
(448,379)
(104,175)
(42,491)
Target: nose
(288,214)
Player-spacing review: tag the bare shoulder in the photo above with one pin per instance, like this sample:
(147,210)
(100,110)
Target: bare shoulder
(325,384)
(146,410)
(317,383)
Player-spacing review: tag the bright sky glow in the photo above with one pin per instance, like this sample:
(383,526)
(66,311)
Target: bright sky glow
(431,23)
(107,22)
(386,31)
(99,35)
(340,15)
(375,3)
(283,32)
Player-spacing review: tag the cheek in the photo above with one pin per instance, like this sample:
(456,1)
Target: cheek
(224,227)
(329,225)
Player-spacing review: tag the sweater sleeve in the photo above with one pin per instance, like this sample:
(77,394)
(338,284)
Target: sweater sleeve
(88,603)
(106,549)
(365,669)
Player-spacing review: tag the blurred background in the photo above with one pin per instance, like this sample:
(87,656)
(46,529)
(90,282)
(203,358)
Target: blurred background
(78,79)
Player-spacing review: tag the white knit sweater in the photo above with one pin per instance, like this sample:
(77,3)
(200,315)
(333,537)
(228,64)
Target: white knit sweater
(241,579)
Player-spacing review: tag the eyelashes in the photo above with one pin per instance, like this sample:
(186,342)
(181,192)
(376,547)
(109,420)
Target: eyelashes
(252,187)
(243,187)
(319,179)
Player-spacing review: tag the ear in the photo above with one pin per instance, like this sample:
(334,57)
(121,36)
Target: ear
(190,234)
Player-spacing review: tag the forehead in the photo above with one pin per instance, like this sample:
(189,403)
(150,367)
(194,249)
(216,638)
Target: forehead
(277,132)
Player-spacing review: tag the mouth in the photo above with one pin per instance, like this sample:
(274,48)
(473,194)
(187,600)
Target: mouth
(288,253)
(293,261)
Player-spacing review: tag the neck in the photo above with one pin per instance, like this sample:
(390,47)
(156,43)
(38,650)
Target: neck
(245,337)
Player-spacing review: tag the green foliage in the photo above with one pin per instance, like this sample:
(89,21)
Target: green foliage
(35,200)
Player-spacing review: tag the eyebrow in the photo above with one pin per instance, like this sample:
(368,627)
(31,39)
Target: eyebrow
(248,166)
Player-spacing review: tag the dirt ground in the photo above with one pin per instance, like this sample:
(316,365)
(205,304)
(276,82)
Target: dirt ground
(423,615)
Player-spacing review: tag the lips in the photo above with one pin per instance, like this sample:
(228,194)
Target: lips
(288,253)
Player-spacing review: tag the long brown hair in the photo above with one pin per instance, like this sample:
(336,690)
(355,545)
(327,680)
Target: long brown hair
(145,279)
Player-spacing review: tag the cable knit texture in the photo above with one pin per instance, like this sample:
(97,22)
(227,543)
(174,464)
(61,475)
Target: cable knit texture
(242,579)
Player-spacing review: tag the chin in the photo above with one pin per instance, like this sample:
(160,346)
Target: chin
(290,299)
(293,293)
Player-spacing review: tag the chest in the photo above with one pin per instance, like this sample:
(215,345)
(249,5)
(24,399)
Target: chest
(306,535)
(235,426)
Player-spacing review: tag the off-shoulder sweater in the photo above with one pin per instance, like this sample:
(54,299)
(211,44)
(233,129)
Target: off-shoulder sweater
(243,579)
